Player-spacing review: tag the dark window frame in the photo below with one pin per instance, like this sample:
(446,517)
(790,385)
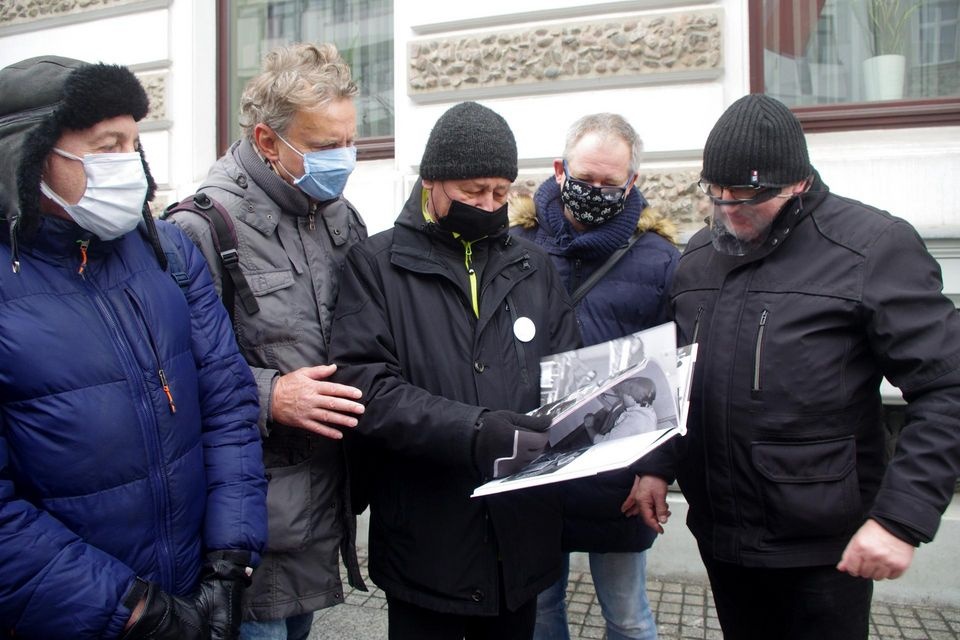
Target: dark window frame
(854,116)
(373,148)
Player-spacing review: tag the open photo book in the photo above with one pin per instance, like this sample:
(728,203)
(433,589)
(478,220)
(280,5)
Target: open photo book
(610,404)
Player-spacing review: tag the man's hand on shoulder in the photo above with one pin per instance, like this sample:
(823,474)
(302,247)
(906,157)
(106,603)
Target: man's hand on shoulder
(306,400)
(875,553)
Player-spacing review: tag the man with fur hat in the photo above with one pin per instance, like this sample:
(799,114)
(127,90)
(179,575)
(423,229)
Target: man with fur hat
(441,322)
(598,228)
(801,301)
(132,496)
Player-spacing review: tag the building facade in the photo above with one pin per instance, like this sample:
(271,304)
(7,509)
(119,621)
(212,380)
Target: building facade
(670,66)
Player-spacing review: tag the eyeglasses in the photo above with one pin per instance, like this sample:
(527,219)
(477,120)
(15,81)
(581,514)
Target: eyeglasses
(609,194)
(739,194)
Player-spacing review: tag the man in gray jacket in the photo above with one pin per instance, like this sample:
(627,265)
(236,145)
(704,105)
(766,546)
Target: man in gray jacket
(281,185)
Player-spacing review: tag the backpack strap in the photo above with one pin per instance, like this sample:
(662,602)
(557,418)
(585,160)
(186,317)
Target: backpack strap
(602,270)
(176,266)
(224,235)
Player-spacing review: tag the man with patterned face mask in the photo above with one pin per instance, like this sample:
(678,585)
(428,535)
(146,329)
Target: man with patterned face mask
(589,217)
(132,491)
(281,186)
(801,301)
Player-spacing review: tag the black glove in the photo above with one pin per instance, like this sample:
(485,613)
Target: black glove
(506,441)
(165,617)
(224,576)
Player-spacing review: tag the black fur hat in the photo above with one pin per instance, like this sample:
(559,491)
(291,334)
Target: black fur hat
(42,97)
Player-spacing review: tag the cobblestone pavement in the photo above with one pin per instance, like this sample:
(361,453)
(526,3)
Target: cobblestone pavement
(684,610)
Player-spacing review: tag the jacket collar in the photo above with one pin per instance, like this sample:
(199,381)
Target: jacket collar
(411,219)
(417,243)
(56,240)
(288,198)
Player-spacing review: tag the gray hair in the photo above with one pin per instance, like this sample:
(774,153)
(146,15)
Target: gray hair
(295,77)
(606,125)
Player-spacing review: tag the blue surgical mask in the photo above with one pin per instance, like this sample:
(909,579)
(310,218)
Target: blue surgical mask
(325,172)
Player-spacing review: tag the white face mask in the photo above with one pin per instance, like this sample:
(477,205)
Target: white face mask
(112,204)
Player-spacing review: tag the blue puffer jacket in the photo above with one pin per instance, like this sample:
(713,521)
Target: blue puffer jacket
(631,296)
(103,476)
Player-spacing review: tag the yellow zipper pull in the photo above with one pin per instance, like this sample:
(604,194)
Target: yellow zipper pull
(83,255)
(166,390)
(471,275)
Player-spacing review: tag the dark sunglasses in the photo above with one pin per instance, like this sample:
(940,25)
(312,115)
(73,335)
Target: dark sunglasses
(739,194)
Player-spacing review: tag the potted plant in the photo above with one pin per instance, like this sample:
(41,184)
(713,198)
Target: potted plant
(887,22)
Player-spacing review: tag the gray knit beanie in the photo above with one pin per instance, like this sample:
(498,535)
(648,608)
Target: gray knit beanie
(757,141)
(470,141)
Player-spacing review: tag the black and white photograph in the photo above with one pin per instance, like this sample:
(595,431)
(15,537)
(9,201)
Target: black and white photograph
(611,403)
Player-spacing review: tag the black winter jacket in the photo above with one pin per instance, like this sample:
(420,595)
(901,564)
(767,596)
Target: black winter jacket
(405,333)
(785,454)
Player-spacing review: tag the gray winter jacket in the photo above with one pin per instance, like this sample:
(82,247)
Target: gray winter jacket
(290,251)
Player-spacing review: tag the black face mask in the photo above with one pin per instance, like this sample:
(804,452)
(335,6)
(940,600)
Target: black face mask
(471,222)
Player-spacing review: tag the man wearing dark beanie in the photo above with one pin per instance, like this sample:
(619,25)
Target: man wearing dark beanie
(441,322)
(801,301)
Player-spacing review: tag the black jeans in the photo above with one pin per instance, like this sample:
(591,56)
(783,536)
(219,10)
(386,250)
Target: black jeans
(804,603)
(410,622)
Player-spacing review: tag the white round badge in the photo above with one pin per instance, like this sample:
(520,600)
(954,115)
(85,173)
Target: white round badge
(524,329)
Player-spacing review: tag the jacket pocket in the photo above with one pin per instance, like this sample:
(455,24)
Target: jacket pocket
(289,512)
(808,489)
(279,320)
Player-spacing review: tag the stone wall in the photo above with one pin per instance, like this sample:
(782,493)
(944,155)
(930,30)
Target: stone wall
(628,48)
(22,11)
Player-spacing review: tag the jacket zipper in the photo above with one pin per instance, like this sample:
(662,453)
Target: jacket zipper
(83,257)
(758,351)
(156,351)
(575,275)
(517,345)
(158,471)
(696,325)
(472,276)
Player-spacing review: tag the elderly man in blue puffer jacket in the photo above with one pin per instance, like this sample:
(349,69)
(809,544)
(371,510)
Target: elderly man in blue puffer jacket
(132,494)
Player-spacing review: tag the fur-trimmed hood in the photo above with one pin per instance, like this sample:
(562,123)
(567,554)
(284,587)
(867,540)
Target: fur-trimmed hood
(39,99)
(523,213)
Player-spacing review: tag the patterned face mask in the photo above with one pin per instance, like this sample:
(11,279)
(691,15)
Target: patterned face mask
(592,205)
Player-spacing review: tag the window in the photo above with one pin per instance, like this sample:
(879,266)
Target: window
(362,30)
(848,64)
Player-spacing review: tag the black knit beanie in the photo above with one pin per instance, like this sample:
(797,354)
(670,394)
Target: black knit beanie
(757,141)
(470,141)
